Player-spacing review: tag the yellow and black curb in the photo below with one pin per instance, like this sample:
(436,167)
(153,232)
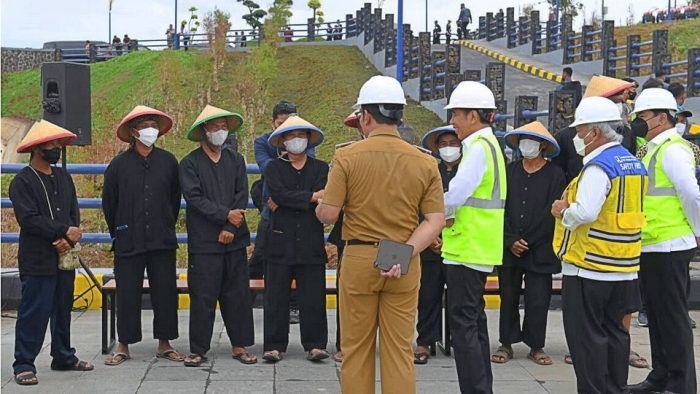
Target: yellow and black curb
(538,72)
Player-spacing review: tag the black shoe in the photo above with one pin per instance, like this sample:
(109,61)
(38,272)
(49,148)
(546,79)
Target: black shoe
(693,324)
(642,320)
(646,387)
(293,316)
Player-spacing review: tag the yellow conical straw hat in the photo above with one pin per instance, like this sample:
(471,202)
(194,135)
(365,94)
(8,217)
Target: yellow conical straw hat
(165,122)
(601,86)
(44,131)
(234,121)
(296,123)
(534,129)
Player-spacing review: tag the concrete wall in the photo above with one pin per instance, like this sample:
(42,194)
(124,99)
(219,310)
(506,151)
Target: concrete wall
(15,59)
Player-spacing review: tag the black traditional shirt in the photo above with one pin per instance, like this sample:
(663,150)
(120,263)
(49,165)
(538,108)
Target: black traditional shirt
(38,231)
(141,201)
(528,216)
(446,176)
(211,190)
(296,236)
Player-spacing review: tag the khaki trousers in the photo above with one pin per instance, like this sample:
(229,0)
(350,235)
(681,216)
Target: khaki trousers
(368,301)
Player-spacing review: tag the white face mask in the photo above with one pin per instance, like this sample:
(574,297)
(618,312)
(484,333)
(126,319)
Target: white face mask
(580,145)
(148,136)
(450,154)
(530,149)
(296,145)
(217,138)
(680,128)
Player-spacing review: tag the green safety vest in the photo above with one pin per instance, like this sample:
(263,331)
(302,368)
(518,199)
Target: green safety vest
(477,234)
(662,207)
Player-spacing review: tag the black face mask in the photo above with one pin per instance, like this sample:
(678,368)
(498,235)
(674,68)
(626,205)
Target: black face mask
(640,128)
(51,155)
(632,95)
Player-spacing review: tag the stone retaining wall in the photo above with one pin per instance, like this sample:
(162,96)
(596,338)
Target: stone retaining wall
(15,59)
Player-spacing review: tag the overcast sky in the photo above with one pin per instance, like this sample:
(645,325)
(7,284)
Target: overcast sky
(30,23)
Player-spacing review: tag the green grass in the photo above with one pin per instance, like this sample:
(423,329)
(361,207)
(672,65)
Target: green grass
(322,81)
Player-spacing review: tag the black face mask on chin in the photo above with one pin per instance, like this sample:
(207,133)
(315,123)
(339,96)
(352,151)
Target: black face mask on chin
(640,127)
(51,155)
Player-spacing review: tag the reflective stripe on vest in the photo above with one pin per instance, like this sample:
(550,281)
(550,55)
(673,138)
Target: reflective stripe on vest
(653,190)
(495,202)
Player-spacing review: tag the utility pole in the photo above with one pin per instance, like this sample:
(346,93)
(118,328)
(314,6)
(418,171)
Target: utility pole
(426,15)
(399,46)
(175,37)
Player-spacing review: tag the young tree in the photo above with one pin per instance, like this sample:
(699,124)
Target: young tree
(217,24)
(314,5)
(566,6)
(192,23)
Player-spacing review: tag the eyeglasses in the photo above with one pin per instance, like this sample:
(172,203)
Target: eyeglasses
(285,106)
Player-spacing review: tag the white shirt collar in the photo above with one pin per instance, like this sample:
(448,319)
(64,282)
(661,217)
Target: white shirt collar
(598,151)
(486,131)
(662,137)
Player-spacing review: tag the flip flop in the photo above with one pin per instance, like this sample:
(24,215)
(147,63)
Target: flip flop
(321,354)
(637,361)
(540,358)
(272,356)
(195,363)
(568,359)
(421,358)
(338,357)
(165,355)
(242,358)
(123,356)
(81,367)
(26,379)
(502,355)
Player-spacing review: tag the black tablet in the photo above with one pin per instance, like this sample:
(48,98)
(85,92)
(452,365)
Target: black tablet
(390,253)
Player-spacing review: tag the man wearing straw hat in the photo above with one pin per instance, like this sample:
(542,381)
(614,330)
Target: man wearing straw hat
(534,184)
(141,203)
(46,207)
(367,177)
(598,239)
(215,187)
(444,145)
(296,248)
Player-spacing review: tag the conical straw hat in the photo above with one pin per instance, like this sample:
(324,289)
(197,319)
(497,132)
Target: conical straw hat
(44,131)
(534,129)
(296,123)
(601,86)
(234,121)
(430,139)
(165,122)
(351,120)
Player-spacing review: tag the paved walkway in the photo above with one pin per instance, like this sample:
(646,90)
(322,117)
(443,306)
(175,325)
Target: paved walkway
(146,374)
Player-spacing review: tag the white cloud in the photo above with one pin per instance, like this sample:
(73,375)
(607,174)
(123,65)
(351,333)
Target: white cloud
(30,23)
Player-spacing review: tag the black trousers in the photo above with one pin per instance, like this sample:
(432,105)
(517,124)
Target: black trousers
(311,291)
(464,29)
(599,343)
(162,280)
(432,289)
(221,277)
(256,263)
(44,298)
(468,330)
(538,292)
(665,283)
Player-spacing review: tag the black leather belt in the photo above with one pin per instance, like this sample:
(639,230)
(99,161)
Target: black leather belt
(358,242)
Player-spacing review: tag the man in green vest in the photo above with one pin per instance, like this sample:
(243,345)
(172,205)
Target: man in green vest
(473,238)
(597,237)
(672,208)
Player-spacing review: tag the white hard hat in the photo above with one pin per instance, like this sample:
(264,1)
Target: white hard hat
(380,90)
(655,98)
(594,110)
(472,95)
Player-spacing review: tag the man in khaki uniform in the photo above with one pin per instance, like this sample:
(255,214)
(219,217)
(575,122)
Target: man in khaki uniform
(381,183)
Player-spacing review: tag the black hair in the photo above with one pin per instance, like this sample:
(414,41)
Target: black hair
(671,118)
(283,107)
(676,89)
(395,112)
(652,83)
(569,71)
(659,73)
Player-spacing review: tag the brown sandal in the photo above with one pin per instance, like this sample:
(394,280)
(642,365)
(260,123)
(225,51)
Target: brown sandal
(272,356)
(502,355)
(540,358)
(245,358)
(197,360)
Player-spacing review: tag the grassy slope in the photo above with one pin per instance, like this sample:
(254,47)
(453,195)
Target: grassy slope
(322,81)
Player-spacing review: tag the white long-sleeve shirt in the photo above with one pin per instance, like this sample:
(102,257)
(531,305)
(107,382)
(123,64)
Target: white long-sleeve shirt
(469,175)
(677,163)
(592,190)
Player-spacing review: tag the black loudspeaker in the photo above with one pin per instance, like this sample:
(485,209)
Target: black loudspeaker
(65,89)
